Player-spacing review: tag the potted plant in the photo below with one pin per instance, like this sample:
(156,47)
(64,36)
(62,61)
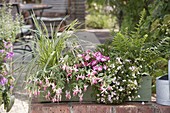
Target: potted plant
(9,29)
(61,73)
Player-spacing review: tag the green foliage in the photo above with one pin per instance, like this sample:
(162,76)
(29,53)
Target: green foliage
(49,54)
(9,26)
(99,17)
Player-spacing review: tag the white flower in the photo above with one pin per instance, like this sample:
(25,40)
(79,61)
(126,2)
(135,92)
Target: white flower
(132,68)
(121,89)
(138,96)
(112,65)
(119,67)
(135,82)
(143,103)
(124,80)
(119,60)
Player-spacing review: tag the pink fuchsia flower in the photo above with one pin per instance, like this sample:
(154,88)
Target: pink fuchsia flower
(103,90)
(100,68)
(69,70)
(9,55)
(105,67)
(87,51)
(87,57)
(94,72)
(53,86)
(85,87)
(36,93)
(85,63)
(54,99)
(98,58)
(95,68)
(109,88)
(68,95)
(69,75)
(48,95)
(45,88)
(58,91)
(94,80)
(76,91)
(80,77)
(64,67)
(75,69)
(94,62)
(97,54)
(103,59)
(81,97)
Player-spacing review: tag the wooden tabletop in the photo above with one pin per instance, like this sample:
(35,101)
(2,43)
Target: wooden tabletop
(34,6)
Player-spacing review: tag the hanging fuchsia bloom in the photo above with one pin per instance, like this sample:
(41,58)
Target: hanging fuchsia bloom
(94,72)
(88,51)
(95,68)
(100,68)
(9,55)
(76,91)
(81,97)
(80,77)
(105,67)
(68,95)
(94,62)
(94,80)
(58,91)
(103,59)
(87,57)
(85,87)
(64,67)
(85,63)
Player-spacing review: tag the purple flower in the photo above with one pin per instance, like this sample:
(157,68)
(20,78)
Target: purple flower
(103,59)
(100,68)
(7,44)
(98,58)
(87,57)
(94,62)
(94,72)
(3,80)
(2,51)
(95,68)
(104,67)
(9,55)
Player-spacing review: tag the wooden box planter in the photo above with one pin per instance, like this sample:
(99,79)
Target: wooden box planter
(144,92)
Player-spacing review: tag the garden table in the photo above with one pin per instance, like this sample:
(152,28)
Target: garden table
(34,7)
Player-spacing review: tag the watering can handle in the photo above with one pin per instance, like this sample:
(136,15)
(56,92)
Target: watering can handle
(169,76)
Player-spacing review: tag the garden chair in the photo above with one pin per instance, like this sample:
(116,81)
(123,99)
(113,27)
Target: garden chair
(56,15)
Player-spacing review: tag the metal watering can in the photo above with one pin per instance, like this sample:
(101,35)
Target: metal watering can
(163,88)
